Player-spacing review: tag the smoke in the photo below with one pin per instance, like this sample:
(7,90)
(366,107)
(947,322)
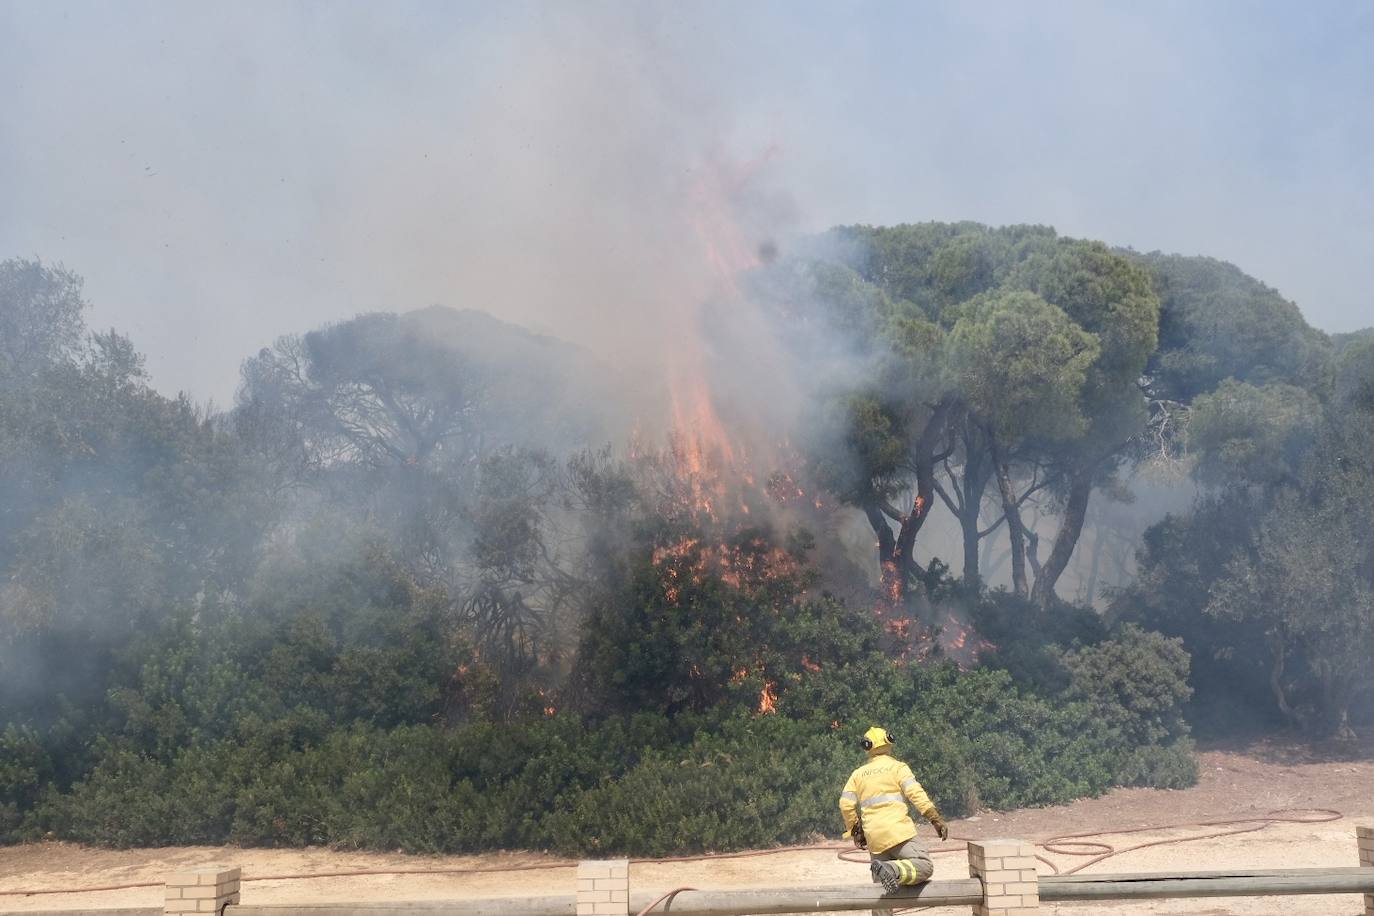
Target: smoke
(599,171)
(222,176)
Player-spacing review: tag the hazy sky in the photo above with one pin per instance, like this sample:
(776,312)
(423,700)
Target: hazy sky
(224,173)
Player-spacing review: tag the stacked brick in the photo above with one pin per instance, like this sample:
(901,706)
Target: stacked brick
(201,890)
(603,888)
(1365,837)
(1011,886)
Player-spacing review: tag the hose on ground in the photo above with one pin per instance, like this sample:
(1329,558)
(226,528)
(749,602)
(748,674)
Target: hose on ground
(1069,844)
(668,896)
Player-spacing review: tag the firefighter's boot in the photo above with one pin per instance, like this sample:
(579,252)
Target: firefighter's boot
(886,874)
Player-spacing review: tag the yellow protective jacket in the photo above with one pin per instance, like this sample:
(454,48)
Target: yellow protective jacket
(879,791)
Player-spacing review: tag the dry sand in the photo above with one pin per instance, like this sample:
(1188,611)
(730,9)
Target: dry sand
(1236,782)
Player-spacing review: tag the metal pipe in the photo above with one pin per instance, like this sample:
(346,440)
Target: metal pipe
(90,911)
(838,898)
(754,901)
(1238,883)
(475,906)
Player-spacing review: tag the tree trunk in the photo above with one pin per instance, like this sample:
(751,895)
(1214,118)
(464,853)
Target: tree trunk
(1094,567)
(977,470)
(888,571)
(972,578)
(895,554)
(1070,527)
(1278,652)
(1016,531)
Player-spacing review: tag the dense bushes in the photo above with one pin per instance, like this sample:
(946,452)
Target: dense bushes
(335,675)
(707,712)
(643,784)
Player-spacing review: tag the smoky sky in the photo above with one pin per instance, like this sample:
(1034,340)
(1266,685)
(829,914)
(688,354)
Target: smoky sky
(223,174)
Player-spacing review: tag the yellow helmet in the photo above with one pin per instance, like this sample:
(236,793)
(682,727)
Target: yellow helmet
(877,738)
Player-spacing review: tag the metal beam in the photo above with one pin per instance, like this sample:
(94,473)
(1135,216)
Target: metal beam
(755,901)
(1235,883)
(90,911)
(838,898)
(475,906)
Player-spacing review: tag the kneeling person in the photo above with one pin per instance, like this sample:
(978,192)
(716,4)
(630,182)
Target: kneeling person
(874,807)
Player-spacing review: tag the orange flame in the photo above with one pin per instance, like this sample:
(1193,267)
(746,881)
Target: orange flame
(725,254)
(768,700)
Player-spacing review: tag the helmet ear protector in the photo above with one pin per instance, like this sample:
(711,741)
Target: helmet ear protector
(868,742)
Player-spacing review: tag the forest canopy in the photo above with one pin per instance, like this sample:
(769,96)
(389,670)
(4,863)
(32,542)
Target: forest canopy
(413,531)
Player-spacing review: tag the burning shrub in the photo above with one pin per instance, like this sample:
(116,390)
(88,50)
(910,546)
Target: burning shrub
(699,623)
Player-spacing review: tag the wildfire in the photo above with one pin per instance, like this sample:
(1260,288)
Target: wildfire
(960,639)
(744,566)
(892,584)
(768,700)
(961,643)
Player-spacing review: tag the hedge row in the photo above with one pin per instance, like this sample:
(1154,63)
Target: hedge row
(640,785)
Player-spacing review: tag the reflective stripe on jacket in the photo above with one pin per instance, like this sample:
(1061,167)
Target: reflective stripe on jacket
(879,791)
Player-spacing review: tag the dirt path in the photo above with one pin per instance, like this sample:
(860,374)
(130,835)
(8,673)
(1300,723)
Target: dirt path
(1236,783)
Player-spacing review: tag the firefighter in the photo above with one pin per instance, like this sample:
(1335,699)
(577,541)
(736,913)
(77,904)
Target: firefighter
(874,807)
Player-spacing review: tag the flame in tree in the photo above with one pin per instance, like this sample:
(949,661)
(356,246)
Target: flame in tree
(724,252)
(768,700)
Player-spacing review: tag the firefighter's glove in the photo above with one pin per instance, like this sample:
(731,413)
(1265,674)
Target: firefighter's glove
(940,826)
(857,835)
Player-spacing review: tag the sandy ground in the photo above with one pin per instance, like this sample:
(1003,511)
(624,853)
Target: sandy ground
(1236,782)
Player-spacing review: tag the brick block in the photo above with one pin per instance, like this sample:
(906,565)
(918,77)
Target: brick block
(593,870)
(620,896)
(586,909)
(200,891)
(594,897)
(610,909)
(1019,862)
(609,884)
(998,848)
(1024,887)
